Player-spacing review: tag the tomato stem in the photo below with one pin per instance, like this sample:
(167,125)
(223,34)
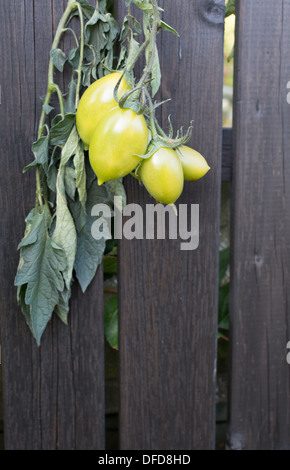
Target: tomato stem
(131,65)
(38,188)
(53,87)
(74,35)
(60,98)
(152,116)
(82,45)
(152,48)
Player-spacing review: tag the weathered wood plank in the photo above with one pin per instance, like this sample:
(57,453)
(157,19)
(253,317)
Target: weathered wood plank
(260,375)
(54,394)
(168,297)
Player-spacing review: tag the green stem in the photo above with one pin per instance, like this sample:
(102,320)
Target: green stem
(150,42)
(140,50)
(53,87)
(74,35)
(152,48)
(60,99)
(82,46)
(38,188)
(152,116)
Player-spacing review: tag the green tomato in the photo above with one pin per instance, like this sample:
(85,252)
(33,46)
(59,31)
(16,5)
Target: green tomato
(96,101)
(119,137)
(194,165)
(162,175)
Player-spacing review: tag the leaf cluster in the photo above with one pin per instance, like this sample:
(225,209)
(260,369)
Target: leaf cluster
(58,248)
(137,39)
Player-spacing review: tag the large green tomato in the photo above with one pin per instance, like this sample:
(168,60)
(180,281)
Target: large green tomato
(119,137)
(193,163)
(96,101)
(162,175)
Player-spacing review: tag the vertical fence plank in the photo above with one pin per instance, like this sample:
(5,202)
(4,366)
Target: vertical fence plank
(54,394)
(168,297)
(260,375)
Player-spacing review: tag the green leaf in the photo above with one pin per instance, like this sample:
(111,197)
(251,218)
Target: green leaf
(110,265)
(62,308)
(51,175)
(77,210)
(61,129)
(111,247)
(223,310)
(29,166)
(64,234)
(47,108)
(133,52)
(111,322)
(90,251)
(116,188)
(21,292)
(224,260)
(230,8)
(40,151)
(101,33)
(80,172)
(102,4)
(70,146)
(78,214)
(70,181)
(144,5)
(88,9)
(156,74)
(40,270)
(136,25)
(101,30)
(168,28)
(31,229)
(90,175)
(69,105)
(74,57)
(90,29)
(58,58)
(124,30)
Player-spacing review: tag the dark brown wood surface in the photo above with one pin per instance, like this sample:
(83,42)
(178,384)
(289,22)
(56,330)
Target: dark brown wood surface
(168,297)
(54,394)
(260,317)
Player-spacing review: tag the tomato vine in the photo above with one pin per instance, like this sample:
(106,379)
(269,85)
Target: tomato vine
(57,247)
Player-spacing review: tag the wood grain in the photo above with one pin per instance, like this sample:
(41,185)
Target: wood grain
(260,375)
(168,297)
(54,394)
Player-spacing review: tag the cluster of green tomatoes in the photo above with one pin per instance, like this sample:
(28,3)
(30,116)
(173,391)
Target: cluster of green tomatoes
(117,138)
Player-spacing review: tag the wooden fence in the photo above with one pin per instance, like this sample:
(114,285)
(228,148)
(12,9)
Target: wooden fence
(54,395)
